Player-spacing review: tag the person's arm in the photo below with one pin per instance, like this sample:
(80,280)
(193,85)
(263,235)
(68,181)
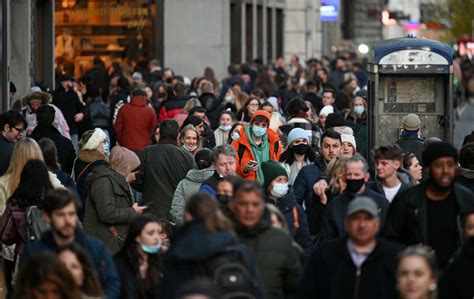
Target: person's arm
(163,113)
(178,203)
(328,229)
(299,187)
(302,236)
(106,206)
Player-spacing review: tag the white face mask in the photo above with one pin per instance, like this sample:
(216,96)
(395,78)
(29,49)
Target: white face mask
(279,190)
(225,128)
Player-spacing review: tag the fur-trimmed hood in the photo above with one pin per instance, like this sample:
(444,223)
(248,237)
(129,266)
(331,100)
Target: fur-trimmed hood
(90,156)
(43,96)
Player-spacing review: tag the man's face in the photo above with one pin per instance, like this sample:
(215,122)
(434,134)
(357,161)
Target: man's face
(355,171)
(201,115)
(64,221)
(225,165)
(35,105)
(361,227)
(443,172)
(168,74)
(330,148)
(340,64)
(328,99)
(13,134)
(386,168)
(247,208)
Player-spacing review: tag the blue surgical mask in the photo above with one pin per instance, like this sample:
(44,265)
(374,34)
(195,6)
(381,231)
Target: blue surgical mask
(225,128)
(151,249)
(189,149)
(228,99)
(359,110)
(106,149)
(259,132)
(280,190)
(235,136)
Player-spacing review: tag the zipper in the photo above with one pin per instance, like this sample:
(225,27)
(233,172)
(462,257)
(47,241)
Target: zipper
(357,283)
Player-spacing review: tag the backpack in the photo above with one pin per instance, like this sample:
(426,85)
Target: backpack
(36,225)
(230,274)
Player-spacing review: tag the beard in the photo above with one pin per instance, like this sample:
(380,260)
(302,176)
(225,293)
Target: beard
(438,186)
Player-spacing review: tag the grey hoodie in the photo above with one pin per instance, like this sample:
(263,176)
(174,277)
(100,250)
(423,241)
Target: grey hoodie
(186,187)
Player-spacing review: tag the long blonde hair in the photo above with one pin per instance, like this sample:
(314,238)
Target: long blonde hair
(336,168)
(25,150)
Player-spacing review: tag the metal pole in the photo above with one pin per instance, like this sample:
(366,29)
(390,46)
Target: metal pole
(4,82)
(254,30)
(243,33)
(274,31)
(264,32)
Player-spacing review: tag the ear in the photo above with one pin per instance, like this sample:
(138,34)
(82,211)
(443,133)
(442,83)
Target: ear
(397,164)
(366,177)
(6,128)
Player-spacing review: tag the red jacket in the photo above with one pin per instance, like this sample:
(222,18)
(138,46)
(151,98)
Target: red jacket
(135,122)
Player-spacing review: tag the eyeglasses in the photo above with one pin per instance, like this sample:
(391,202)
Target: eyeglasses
(20,130)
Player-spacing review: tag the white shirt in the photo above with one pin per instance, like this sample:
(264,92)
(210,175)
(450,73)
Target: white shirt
(391,192)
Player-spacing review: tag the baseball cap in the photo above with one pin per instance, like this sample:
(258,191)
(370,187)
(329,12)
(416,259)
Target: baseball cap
(362,204)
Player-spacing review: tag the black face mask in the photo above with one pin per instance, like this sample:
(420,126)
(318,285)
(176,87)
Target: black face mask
(223,198)
(300,149)
(353,186)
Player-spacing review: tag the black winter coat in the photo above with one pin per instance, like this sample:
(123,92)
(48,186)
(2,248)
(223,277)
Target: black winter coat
(213,106)
(331,274)
(407,216)
(333,223)
(456,281)
(412,145)
(66,152)
(70,105)
(6,151)
(191,248)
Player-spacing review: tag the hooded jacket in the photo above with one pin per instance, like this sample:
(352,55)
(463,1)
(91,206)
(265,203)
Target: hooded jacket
(192,247)
(276,258)
(244,149)
(108,206)
(186,187)
(135,121)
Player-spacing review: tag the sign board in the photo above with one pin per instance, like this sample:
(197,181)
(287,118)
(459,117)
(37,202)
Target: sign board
(329,10)
(414,57)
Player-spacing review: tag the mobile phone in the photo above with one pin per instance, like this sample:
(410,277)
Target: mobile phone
(252,163)
(147,204)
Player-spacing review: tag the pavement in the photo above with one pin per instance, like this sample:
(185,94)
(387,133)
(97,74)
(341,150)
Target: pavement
(465,124)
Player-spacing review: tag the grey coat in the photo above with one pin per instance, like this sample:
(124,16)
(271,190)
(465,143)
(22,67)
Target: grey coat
(186,187)
(108,206)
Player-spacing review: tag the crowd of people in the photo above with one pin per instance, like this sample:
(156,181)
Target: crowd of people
(260,185)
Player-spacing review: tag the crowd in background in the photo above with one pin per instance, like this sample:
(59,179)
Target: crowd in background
(133,181)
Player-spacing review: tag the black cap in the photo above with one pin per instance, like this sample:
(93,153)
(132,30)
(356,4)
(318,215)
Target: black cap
(439,150)
(335,120)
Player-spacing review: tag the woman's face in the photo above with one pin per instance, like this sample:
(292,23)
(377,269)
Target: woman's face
(72,263)
(347,149)
(230,93)
(225,188)
(149,93)
(253,106)
(236,129)
(269,109)
(358,102)
(414,277)
(415,170)
(190,138)
(322,120)
(150,234)
(225,120)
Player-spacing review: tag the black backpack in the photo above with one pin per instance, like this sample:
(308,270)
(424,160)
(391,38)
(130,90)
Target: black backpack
(230,274)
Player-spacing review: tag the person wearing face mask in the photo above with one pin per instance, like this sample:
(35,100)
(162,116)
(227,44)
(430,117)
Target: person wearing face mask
(279,193)
(297,155)
(356,177)
(138,261)
(257,144)
(234,132)
(190,139)
(226,120)
(356,119)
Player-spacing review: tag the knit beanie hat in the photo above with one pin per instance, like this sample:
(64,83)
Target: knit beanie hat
(271,170)
(297,133)
(335,120)
(123,160)
(438,150)
(328,109)
(411,122)
(91,139)
(261,113)
(350,139)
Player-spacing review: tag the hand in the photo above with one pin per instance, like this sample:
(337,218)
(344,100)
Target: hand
(249,167)
(79,117)
(320,187)
(131,177)
(139,209)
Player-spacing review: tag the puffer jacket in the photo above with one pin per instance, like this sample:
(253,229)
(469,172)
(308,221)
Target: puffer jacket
(276,258)
(108,208)
(189,185)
